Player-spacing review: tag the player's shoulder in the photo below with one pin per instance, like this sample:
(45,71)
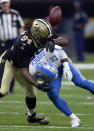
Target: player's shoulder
(18,39)
(23,34)
(25,37)
(58,47)
(13,11)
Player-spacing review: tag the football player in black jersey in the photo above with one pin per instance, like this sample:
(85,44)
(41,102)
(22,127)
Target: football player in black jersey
(19,56)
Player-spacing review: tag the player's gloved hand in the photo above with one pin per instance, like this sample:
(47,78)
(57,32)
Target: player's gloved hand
(44,87)
(50,46)
(67,72)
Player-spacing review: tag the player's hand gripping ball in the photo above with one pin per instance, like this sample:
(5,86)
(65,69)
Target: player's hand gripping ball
(55,16)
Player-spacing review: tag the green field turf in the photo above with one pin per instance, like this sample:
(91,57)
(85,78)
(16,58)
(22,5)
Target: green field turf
(81,102)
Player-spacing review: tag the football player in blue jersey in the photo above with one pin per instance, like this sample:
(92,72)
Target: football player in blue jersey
(50,67)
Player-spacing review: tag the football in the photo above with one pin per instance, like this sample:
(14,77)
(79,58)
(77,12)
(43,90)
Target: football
(55,16)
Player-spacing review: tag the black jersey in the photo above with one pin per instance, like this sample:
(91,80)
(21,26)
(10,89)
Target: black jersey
(22,51)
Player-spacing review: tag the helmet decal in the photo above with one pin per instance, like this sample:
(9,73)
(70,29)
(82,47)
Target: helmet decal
(49,29)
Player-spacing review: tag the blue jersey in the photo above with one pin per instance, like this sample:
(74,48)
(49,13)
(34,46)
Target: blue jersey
(47,63)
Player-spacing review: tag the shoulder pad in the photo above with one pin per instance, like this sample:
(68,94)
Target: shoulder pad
(24,38)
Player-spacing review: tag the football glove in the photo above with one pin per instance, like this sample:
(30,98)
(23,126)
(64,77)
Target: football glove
(44,87)
(67,72)
(50,46)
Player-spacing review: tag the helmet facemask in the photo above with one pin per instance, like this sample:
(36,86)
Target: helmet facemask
(41,32)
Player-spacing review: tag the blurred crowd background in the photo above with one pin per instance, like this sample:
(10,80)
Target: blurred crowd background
(31,9)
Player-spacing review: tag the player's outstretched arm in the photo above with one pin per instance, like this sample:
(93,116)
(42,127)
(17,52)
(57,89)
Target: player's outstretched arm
(43,87)
(61,41)
(66,69)
(25,73)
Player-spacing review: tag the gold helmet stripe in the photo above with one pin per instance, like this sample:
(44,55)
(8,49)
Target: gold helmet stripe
(46,25)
